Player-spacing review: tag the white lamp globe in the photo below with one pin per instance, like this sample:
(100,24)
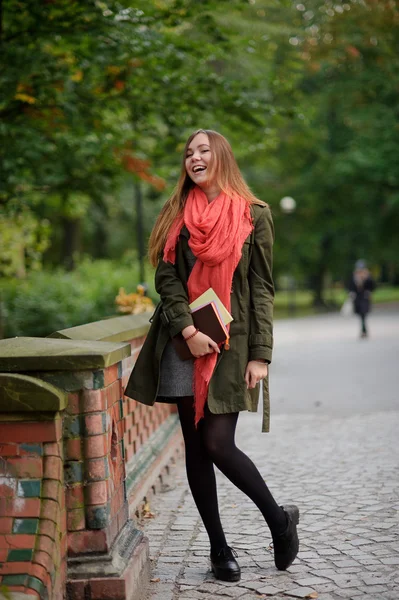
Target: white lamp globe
(287,204)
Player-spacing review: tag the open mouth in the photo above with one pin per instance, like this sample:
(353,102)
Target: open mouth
(198,169)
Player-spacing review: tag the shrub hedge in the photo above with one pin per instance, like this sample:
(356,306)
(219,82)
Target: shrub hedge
(49,301)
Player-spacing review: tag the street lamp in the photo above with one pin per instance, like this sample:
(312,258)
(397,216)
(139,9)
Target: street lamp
(288,206)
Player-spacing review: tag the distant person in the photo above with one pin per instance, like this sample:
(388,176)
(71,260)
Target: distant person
(214,233)
(360,288)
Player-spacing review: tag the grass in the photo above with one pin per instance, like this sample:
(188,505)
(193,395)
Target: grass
(287,304)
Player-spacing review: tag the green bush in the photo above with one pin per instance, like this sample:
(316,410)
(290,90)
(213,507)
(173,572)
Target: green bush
(48,301)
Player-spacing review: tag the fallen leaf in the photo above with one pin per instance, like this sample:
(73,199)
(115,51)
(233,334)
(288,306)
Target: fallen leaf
(155,580)
(313,595)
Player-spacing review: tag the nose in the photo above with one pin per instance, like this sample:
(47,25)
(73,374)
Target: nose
(196,156)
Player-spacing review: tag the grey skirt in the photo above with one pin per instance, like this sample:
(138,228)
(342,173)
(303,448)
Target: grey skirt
(176,376)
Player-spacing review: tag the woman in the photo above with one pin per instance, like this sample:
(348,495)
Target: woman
(213,232)
(360,288)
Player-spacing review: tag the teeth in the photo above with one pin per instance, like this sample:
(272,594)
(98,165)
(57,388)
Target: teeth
(197,169)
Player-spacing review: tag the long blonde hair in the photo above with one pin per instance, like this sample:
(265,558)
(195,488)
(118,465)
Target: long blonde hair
(223,169)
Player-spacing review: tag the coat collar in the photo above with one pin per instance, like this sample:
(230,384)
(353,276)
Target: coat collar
(185,232)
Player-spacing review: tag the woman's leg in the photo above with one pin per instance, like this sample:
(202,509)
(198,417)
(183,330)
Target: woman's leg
(201,475)
(218,433)
(363,324)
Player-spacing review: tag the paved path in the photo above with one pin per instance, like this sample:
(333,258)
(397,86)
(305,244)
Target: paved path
(333,449)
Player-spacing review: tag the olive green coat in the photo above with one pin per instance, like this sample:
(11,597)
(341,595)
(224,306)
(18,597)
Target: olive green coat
(251,334)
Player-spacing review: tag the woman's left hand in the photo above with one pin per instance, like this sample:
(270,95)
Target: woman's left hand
(254,372)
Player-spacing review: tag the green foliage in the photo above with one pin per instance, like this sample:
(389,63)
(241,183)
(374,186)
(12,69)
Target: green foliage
(46,302)
(98,95)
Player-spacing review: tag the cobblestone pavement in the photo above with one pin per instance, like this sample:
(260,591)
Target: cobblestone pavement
(342,471)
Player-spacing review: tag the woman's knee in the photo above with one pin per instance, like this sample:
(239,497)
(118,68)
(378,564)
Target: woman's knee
(216,446)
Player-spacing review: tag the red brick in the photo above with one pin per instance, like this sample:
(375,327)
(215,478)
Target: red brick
(8,487)
(96,468)
(17,540)
(20,507)
(52,489)
(44,559)
(73,407)
(76,519)
(52,449)
(133,434)
(116,413)
(131,405)
(47,528)
(28,432)
(129,453)
(83,542)
(14,568)
(94,424)
(128,422)
(76,589)
(3,555)
(39,572)
(113,393)
(110,588)
(120,429)
(110,374)
(75,497)
(6,524)
(96,446)
(73,449)
(45,544)
(96,492)
(9,450)
(26,467)
(93,401)
(53,467)
(50,509)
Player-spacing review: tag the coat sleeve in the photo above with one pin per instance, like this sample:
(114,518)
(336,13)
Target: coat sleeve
(175,313)
(261,289)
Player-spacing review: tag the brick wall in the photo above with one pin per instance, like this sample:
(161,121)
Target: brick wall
(66,482)
(32,508)
(139,420)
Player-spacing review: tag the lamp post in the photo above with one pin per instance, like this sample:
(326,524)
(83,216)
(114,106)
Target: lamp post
(288,206)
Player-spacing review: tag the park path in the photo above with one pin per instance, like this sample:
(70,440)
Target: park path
(333,449)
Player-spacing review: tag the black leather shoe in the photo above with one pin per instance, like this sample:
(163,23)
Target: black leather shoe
(286,545)
(225,566)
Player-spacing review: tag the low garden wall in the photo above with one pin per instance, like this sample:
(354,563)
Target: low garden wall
(78,462)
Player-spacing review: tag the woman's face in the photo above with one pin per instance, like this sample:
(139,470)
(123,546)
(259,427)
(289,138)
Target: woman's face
(198,158)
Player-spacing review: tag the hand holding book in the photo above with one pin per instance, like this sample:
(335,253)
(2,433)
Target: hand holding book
(200,344)
(210,318)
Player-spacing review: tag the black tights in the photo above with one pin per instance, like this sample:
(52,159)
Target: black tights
(212,443)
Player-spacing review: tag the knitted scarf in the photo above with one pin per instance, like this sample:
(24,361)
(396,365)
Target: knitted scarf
(217,233)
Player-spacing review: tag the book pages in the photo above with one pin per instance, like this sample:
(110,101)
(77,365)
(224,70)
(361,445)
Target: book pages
(211,296)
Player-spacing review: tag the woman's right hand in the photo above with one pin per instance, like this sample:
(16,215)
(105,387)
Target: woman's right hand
(200,344)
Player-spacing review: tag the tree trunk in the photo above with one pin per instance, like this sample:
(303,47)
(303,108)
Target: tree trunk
(318,278)
(70,242)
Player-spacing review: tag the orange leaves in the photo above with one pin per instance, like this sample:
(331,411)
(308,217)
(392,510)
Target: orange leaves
(140,167)
(352,51)
(134,303)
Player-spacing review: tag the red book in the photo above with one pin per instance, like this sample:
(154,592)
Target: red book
(207,319)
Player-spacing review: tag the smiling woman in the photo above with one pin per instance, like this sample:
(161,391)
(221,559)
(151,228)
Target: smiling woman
(214,233)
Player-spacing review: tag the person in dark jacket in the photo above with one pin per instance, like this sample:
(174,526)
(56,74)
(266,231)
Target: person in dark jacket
(214,233)
(360,288)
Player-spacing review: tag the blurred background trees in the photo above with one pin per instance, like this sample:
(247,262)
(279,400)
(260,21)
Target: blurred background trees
(98,99)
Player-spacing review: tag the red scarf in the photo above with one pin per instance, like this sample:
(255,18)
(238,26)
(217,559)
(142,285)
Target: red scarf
(217,230)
